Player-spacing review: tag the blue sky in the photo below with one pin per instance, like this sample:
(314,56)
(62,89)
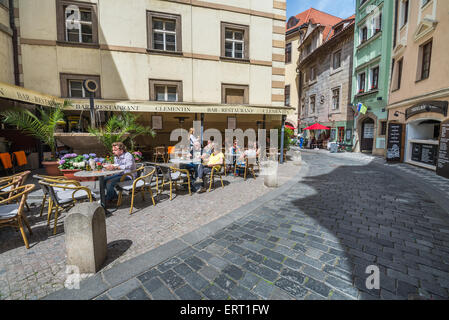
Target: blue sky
(339,8)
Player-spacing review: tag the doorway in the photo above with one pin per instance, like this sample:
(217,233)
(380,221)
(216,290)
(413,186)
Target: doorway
(367,135)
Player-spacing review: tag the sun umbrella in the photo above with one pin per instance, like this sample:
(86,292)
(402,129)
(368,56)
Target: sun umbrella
(317,126)
(289,127)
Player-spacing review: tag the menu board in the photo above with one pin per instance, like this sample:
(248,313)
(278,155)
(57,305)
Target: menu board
(394,143)
(425,153)
(443,154)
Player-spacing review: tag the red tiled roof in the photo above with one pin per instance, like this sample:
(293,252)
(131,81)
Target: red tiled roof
(316,17)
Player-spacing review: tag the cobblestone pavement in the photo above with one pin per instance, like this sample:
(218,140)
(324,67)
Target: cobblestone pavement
(313,242)
(41,270)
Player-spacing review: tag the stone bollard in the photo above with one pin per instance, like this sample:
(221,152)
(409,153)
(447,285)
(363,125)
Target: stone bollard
(269,169)
(85,237)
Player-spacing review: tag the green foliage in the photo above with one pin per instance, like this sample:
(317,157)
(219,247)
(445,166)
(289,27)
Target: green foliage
(121,128)
(288,134)
(42,127)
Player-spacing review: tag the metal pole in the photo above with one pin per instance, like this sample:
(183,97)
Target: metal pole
(202,130)
(92,110)
(282,139)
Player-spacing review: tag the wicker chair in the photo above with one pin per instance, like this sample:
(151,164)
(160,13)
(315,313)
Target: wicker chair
(174,176)
(20,177)
(142,183)
(245,166)
(159,152)
(64,195)
(217,170)
(11,214)
(46,195)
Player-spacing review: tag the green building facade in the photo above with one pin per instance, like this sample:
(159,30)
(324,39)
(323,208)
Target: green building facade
(373,40)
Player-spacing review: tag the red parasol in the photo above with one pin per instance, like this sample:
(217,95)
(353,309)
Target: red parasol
(317,126)
(290,127)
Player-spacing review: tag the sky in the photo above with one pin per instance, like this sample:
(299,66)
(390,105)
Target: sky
(339,8)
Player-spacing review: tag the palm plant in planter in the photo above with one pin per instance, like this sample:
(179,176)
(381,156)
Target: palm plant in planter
(41,127)
(121,128)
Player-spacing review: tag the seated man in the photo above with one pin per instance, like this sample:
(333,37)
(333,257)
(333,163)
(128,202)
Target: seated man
(216,158)
(123,160)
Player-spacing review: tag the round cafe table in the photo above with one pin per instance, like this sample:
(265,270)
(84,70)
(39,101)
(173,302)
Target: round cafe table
(178,162)
(100,174)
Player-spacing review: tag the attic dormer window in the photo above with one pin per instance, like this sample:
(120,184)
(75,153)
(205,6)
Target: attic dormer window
(292,22)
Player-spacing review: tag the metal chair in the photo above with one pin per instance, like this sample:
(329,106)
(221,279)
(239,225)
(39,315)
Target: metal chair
(159,152)
(141,184)
(46,195)
(64,195)
(216,171)
(21,178)
(172,176)
(11,214)
(245,166)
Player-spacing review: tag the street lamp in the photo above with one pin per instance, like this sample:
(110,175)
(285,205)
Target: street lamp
(91,86)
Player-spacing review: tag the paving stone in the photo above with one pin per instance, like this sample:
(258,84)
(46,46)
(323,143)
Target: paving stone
(196,281)
(292,288)
(195,263)
(293,275)
(263,289)
(215,293)
(138,294)
(149,275)
(218,263)
(153,284)
(123,289)
(261,271)
(209,272)
(172,279)
(234,272)
(187,293)
(168,264)
(183,269)
(317,287)
(249,280)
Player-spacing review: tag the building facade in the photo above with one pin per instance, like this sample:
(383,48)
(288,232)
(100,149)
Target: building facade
(326,75)
(420,85)
(308,29)
(170,60)
(371,73)
(6,44)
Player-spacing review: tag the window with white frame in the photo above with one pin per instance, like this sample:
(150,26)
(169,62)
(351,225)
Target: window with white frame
(76,89)
(404,12)
(166,93)
(336,99)
(81,23)
(374,78)
(363,34)
(164,34)
(234,44)
(376,24)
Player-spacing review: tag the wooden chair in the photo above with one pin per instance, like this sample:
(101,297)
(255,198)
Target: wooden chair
(142,183)
(11,210)
(64,195)
(21,178)
(158,153)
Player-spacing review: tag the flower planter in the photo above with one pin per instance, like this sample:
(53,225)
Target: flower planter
(70,175)
(52,168)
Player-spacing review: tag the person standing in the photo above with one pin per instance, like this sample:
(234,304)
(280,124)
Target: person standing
(123,160)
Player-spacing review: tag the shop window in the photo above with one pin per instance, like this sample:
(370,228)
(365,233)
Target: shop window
(72,85)
(164,32)
(234,94)
(165,90)
(234,41)
(77,22)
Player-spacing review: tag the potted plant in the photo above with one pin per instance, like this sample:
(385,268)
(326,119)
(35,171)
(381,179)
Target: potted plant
(41,127)
(71,163)
(137,156)
(121,128)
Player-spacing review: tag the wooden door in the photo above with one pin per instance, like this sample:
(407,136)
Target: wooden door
(367,135)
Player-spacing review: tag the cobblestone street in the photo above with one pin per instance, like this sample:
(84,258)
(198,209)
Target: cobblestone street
(312,241)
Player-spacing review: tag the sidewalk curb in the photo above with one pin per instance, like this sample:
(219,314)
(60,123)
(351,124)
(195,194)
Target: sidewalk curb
(120,273)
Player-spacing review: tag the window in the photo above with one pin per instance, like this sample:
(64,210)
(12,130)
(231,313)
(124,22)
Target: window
(288,52)
(234,94)
(4,3)
(165,90)
(77,22)
(374,78)
(72,85)
(164,32)
(377,24)
(398,83)
(312,104)
(424,2)
(383,128)
(337,60)
(426,50)
(336,99)
(312,73)
(287,95)
(404,13)
(235,41)
(362,2)
(363,34)
(361,82)
(308,48)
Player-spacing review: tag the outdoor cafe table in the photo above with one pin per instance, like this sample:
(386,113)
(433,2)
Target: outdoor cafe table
(100,174)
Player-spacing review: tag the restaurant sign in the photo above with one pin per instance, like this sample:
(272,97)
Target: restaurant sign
(429,106)
(29,96)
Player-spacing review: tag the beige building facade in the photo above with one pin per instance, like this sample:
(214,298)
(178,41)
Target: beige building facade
(419,91)
(172,58)
(6,44)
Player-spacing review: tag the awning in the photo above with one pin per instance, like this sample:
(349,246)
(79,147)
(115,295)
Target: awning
(16,93)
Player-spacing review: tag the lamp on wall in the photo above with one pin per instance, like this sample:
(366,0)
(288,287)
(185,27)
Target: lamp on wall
(397,113)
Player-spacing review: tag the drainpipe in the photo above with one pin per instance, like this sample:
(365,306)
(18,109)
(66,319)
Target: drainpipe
(15,43)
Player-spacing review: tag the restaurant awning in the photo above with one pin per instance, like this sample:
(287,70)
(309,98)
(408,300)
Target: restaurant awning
(16,93)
